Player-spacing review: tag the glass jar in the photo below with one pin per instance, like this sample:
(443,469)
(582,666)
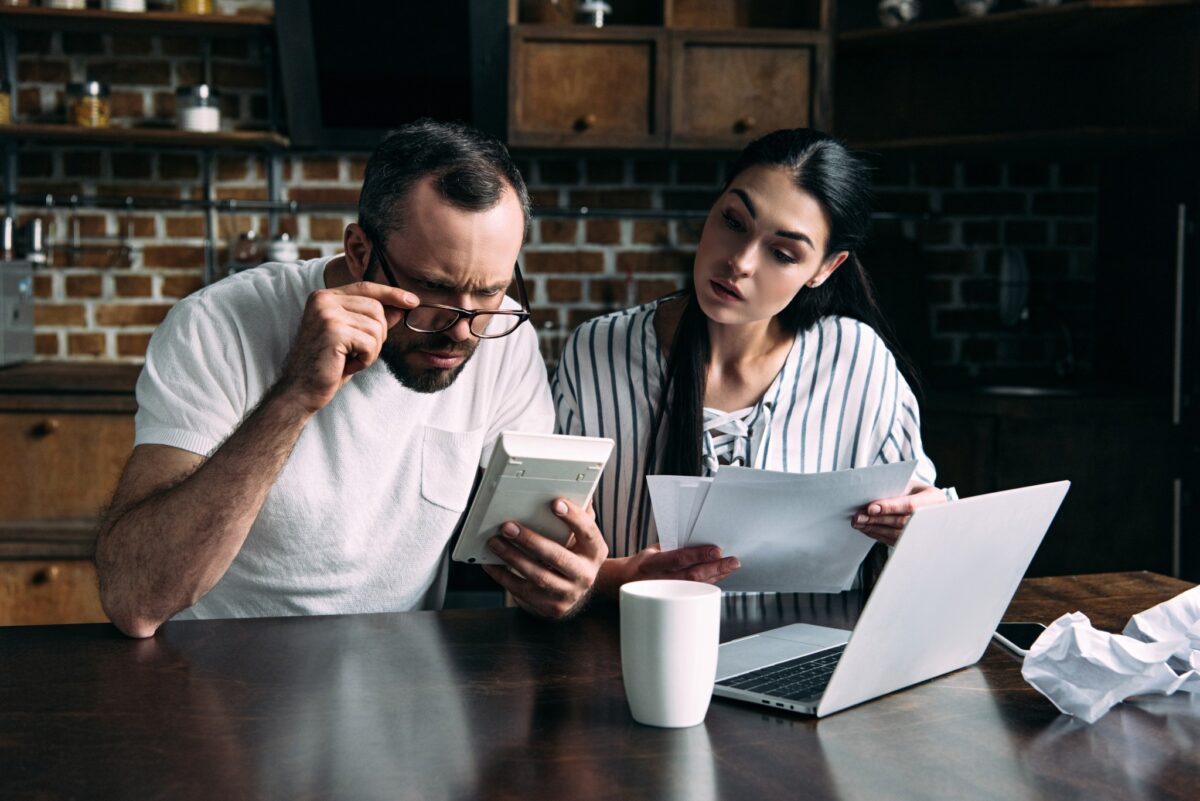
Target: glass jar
(197,109)
(72,4)
(196,6)
(130,6)
(88,104)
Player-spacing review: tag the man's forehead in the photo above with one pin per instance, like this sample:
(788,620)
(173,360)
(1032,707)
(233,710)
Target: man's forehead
(452,276)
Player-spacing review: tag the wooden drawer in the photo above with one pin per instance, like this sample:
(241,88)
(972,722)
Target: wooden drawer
(61,464)
(34,593)
(586,88)
(727,90)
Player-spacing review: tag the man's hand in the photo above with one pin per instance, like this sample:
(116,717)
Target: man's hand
(554,580)
(341,333)
(884,519)
(693,563)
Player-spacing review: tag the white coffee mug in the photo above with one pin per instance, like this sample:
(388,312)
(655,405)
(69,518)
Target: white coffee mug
(669,636)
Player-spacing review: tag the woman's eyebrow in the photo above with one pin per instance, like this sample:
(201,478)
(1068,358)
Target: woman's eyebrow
(749,204)
(797,236)
(746,201)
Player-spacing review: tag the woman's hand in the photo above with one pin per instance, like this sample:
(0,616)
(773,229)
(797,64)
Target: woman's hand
(884,519)
(693,563)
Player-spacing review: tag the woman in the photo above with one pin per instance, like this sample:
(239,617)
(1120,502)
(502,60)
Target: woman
(774,359)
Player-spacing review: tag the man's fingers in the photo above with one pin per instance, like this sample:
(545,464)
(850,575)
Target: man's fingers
(387,295)
(537,573)
(507,579)
(589,542)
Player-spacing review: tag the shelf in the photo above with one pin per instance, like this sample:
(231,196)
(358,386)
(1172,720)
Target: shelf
(162,22)
(158,137)
(48,539)
(1083,24)
(1083,142)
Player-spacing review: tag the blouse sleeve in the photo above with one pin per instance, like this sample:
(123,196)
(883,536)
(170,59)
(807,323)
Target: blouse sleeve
(567,417)
(901,437)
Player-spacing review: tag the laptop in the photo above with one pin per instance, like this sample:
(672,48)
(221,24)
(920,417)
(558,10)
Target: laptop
(933,610)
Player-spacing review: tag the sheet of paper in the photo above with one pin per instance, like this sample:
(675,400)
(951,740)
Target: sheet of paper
(691,500)
(676,501)
(791,531)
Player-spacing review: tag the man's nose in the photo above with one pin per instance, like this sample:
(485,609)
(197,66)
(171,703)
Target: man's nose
(460,331)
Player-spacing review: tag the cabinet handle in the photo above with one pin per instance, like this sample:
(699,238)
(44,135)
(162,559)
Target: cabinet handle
(46,575)
(585,122)
(745,124)
(46,427)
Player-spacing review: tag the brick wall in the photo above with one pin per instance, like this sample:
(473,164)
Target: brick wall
(115,275)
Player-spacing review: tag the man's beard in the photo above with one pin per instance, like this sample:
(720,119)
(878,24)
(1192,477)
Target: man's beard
(429,379)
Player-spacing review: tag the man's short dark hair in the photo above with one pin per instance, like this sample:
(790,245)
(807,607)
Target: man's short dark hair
(469,168)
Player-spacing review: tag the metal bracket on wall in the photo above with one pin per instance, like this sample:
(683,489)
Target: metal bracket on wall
(210,218)
(274,192)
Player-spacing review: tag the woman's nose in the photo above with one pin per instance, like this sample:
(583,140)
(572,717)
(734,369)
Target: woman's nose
(741,261)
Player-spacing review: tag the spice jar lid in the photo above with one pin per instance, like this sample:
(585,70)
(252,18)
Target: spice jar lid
(201,93)
(88,89)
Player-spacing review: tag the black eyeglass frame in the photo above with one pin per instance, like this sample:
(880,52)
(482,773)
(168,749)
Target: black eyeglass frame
(522,297)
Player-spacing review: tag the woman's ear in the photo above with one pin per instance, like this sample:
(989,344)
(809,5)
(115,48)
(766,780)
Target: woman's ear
(357,246)
(831,264)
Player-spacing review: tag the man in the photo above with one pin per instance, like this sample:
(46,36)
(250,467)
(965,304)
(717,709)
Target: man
(307,436)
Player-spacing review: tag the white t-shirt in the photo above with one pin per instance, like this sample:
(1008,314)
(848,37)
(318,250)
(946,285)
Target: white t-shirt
(360,517)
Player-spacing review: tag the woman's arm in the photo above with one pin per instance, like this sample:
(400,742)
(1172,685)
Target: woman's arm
(694,563)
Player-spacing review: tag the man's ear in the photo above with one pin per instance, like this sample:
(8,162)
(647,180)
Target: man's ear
(357,246)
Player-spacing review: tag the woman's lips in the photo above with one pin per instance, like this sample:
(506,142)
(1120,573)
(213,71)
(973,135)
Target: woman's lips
(725,292)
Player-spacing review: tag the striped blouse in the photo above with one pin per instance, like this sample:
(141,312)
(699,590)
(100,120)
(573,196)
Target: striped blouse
(838,402)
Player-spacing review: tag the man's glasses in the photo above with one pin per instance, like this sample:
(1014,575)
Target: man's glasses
(433,318)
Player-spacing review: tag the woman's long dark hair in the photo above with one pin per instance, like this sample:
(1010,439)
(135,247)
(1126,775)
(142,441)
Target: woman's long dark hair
(823,167)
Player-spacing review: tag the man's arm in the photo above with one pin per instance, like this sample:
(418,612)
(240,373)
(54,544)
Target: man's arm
(177,521)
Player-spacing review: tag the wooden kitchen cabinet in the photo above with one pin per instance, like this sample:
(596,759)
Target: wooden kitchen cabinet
(39,592)
(579,88)
(707,74)
(61,464)
(67,431)
(728,89)
(1117,514)
(1112,75)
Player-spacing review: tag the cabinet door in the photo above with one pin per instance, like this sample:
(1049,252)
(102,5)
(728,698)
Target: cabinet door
(572,88)
(1117,514)
(35,593)
(61,465)
(729,89)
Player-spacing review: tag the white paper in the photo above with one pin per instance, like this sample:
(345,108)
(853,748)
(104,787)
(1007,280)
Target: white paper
(790,531)
(691,496)
(1085,672)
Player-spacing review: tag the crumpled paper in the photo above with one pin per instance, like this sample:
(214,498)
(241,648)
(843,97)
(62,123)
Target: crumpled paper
(1085,672)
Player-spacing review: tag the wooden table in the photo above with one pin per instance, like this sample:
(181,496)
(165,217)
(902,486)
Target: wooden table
(494,704)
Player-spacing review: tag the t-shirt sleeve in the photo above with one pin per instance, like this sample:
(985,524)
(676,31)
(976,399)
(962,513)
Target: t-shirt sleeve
(523,393)
(192,391)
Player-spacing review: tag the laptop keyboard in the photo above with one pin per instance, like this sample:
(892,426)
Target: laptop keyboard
(796,679)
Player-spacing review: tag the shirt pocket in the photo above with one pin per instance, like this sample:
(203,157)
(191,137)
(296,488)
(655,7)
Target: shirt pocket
(449,463)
